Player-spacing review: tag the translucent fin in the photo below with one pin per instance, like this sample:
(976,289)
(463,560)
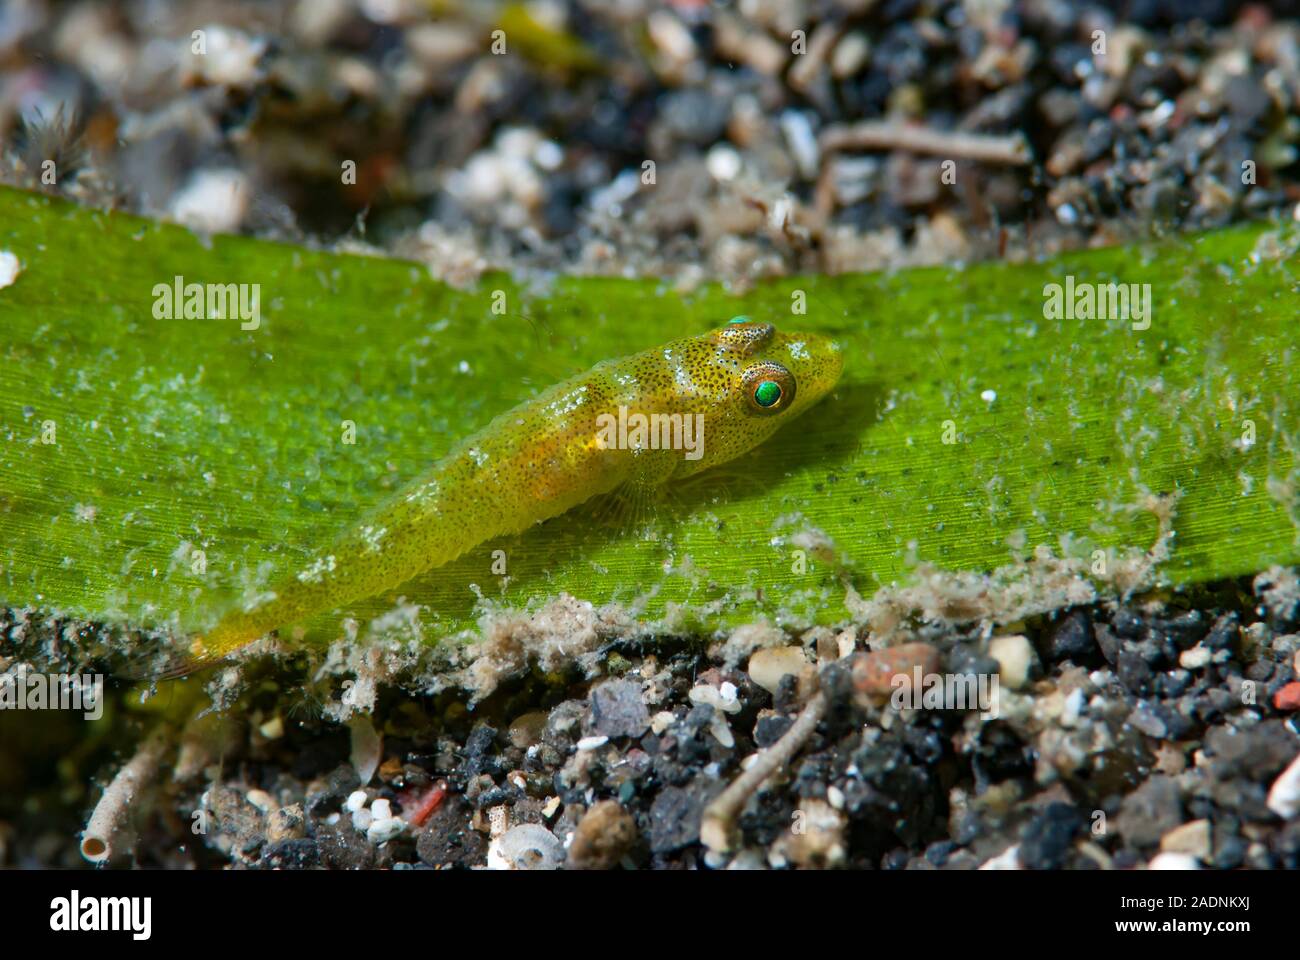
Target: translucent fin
(168,665)
(184,665)
(635,504)
(628,509)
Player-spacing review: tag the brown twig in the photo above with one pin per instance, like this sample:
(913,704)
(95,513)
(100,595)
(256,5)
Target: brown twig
(1012,150)
(719,820)
(109,815)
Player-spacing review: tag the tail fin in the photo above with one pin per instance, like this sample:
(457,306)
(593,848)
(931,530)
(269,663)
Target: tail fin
(190,658)
(168,665)
(184,665)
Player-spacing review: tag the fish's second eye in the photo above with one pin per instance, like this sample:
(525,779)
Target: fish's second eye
(769,387)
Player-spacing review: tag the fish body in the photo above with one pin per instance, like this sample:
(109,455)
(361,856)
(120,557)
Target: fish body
(630,424)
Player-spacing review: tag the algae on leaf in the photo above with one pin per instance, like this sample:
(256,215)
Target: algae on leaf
(153,471)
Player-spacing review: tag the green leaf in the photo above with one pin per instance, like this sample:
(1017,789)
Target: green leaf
(176,436)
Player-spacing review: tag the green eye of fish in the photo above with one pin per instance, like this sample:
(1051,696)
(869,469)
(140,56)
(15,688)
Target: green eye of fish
(767,393)
(769,387)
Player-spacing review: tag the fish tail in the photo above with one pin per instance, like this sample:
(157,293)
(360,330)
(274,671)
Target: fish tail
(357,566)
(198,654)
(208,649)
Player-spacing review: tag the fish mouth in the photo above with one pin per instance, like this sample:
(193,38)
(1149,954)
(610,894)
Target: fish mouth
(835,358)
(816,362)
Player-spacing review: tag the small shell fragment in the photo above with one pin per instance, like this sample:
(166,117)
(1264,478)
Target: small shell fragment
(9,269)
(767,667)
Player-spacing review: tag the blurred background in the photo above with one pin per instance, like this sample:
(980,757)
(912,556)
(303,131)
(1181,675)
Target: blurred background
(785,135)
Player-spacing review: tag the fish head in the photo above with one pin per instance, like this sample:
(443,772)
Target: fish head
(757,379)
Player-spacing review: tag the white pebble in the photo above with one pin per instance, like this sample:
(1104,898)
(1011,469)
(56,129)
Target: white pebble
(518,141)
(367,747)
(1015,657)
(261,799)
(362,819)
(1191,838)
(548,155)
(231,58)
(214,201)
(482,180)
(383,830)
(849,56)
(591,743)
(779,216)
(273,729)
(723,162)
(383,11)
(853,178)
(1162,113)
(1074,705)
(382,809)
(355,801)
(1173,861)
(1284,795)
(610,198)
(9,269)
(988,396)
(721,732)
(767,667)
(1195,658)
(711,696)
(671,36)
(1008,859)
(716,860)
(803,142)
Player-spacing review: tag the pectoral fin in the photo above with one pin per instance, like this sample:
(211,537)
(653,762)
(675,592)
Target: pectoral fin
(634,504)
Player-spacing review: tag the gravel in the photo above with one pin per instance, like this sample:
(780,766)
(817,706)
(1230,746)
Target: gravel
(560,770)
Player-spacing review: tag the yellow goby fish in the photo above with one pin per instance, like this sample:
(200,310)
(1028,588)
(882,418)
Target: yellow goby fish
(634,423)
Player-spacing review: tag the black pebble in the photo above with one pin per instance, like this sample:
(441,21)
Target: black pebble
(1073,638)
(939,852)
(1127,624)
(1223,633)
(1133,671)
(291,855)
(675,818)
(1107,642)
(1174,683)
(1184,629)
(769,730)
(965,659)
(1046,840)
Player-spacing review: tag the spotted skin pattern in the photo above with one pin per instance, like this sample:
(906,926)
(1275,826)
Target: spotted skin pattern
(547,456)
